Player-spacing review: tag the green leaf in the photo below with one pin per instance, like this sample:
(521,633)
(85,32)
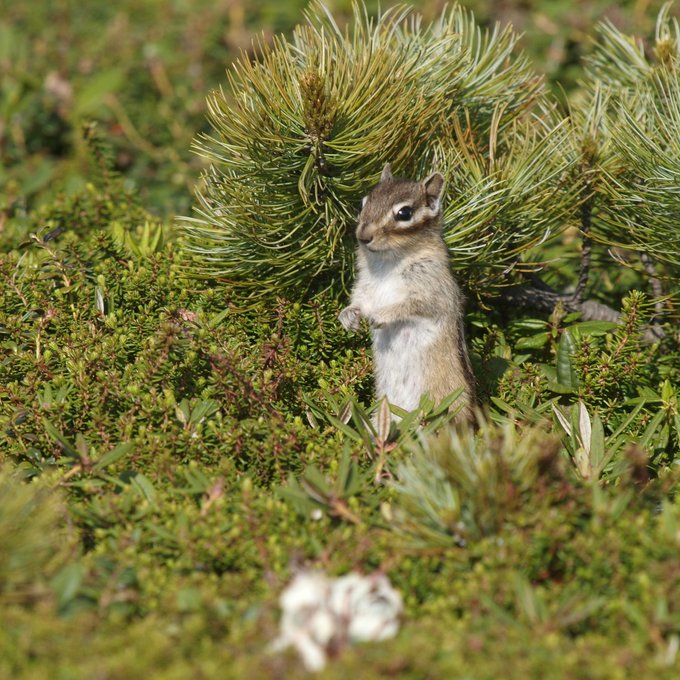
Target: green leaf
(113,455)
(667,391)
(558,388)
(594,327)
(533,341)
(566,374)
(446,403)
(144,487)
(93,95)
(584,427)
(651,430)
(503,405)
(315,483)
(217,319)
(630,418)
(384,420)
(311,419)
(346,414)
(68,448)
(597,445)
(202,410)
(530,324)
(344,428)
(67,582)
(183,411)
(350,478)
(345,469)
(563,420)
(297,497)
(363,426)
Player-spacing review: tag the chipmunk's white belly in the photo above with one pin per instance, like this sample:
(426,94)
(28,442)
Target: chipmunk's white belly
(400,355)
(385,292)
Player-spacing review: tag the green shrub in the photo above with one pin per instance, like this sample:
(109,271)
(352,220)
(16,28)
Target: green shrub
(170,454)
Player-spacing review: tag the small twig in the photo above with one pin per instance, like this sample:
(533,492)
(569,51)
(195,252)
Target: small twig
(543,298)
(655,283)
(338,508)
(75,470)
(129,128)
(586,220)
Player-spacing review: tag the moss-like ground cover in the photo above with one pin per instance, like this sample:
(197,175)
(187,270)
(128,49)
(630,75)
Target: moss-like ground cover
(148,426)
(170,455)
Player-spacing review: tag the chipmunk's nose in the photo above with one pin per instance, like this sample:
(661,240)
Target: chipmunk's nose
(362,236)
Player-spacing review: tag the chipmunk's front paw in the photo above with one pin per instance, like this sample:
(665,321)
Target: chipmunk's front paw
(350,317)
(377,320)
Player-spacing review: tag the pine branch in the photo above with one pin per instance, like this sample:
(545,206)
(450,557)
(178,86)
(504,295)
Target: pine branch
(638,199)
(311,122)
(543,298)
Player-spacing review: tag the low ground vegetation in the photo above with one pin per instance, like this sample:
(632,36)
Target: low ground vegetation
(173,449)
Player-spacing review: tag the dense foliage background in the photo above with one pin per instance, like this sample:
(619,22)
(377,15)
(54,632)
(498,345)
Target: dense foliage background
(170,452)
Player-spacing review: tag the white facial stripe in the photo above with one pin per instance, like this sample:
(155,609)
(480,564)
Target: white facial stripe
(363,201)
(420,215)
(424,212)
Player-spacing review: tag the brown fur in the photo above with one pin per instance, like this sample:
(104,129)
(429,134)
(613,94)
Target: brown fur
(404,287)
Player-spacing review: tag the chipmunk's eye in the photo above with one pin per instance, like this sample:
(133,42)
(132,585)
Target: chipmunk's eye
(404,214)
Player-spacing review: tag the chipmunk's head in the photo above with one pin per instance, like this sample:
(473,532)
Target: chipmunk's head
(397,212)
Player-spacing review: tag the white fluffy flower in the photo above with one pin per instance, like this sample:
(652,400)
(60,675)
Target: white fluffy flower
(368,604)
(321,613)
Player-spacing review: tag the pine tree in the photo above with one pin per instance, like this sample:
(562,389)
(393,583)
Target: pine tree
(308,126)
(304,129)
(630,137)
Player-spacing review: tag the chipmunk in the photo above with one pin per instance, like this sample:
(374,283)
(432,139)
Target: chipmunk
(405,289)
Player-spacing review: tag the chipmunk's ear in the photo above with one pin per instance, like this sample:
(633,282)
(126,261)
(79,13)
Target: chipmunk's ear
(386,173)
(434,186)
